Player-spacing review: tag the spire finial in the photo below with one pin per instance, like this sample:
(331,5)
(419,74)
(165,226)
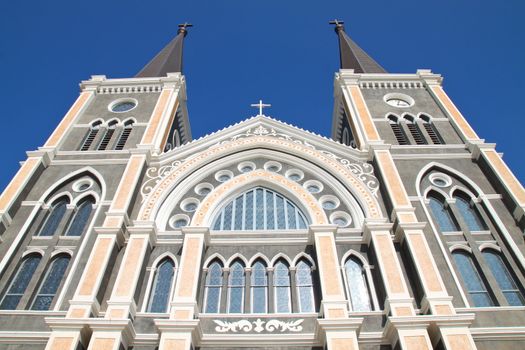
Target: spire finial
(338,25)
(182,28)
(260,105)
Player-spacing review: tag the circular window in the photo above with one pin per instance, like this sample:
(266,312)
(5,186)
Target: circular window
(272,166)
(122,105)
(399,100)
(294,175)
(82,185)
(329,202)
(341,219)
(440,180)
(189,204)
(178,221)
(203,189)
(223,175)
(246,167)
(313,186)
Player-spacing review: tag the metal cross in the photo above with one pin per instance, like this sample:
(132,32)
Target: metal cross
(185,25)
(336,22)
(260,105)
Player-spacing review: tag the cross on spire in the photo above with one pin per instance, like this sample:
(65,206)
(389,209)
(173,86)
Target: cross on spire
(260,105)
(338,24)
(183,26)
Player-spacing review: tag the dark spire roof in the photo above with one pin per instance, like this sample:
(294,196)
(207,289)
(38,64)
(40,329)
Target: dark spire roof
(169,60)
(352,56)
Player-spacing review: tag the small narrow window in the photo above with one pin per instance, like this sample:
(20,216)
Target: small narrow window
(52,279)
(442,214)
(470,214)
(19,282)
(259,286)
(81,218)
(505,279)
(236,282)
(431,130)
(128,126)
(281,285)
(357,285)
(212,294)
(161,287)
(107,136)
(90,136)
(305,286)
(475,285)
(415,131)
(54,218)
(398,131)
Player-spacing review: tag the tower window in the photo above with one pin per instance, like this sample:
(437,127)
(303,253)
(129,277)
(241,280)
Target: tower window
(398,131)
(470,214)
(442,215)
(415,131)
(90,136)
(53,277)
(122,105)
(357,285)
(107,136)
(20,281)
(161,288)
(128,127)
(54,218)
(431,130)
(81,218)
(472,279)
(504,278)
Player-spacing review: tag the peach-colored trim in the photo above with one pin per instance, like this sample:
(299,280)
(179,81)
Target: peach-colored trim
(407,218)
(428,271)
(117,314)
(112,222)
(336,313)
(391,177)
(96,266)
(458,342)
(329,272)
(182,315)
(102,344)
(342,344)
(61,343)
(403,311)
(352,122)
(128,183)
(454,113)
(189,267)
(174,344)
(15,186)
(389,263)
(363,114)
(68,119)
(168,126)
(443,310)
(508,177)
(156,117)
(78,313)
(416,342)
(131,264)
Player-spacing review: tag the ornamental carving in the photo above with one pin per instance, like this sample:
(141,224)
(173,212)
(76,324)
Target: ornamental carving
(154,175)
(258,326)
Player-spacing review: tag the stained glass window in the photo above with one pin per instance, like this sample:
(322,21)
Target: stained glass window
(212,295)
(260,209)
(81,218)
(162,282)
(19,283)
(281,284)
(53,277)
(470,214)
(236,283)
(305,288)
(503,276)
(259,285)
(54,217)
(442,215)
(357,285)
(476,287)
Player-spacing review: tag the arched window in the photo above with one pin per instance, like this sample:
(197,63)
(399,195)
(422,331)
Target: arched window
(505,279)
(107,136)
(472,280)
(260,209)
(19,282)
(281,285)
(54,217)
(259,286)
(81,218)
(90,136)
(305,286)
(469,213)
(398,131)
(236,283)
(49,286)
(161,287)
(128,126)
(212,293)
(415,131)
(346,137)
(431,130)
(357,286)
(442,214)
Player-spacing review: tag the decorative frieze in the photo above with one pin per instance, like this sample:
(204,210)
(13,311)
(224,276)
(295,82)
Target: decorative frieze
(258,326)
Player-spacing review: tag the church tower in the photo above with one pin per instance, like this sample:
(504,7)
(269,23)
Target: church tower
(403,231)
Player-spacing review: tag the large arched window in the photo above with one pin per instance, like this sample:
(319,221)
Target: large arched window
(161,287)
(504,278)
(19,282)
(259,287)
(81,218)
(54,217)
(90,136)
(442,214)
(398,131)
(236,283)
(305,286)
(357,286)
(260,209)
(472,280)
(281,285)
(49,286)
(212,293)
(108,135)
(469,213)
(128,127)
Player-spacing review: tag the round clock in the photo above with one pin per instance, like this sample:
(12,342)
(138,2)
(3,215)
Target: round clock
(397,102)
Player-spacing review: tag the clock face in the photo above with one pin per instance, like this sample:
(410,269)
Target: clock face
(397,102)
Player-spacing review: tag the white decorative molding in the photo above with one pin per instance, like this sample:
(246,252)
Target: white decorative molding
(258,326)
(154,175)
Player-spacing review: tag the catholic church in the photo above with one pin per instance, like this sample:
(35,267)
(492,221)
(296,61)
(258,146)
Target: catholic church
(403,230)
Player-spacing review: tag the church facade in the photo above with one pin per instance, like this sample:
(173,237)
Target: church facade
(404,230)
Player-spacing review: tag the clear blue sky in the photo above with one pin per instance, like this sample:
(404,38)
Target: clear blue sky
(241,50)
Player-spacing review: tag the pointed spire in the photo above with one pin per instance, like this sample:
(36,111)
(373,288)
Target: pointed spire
(169,60)
(351,55)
